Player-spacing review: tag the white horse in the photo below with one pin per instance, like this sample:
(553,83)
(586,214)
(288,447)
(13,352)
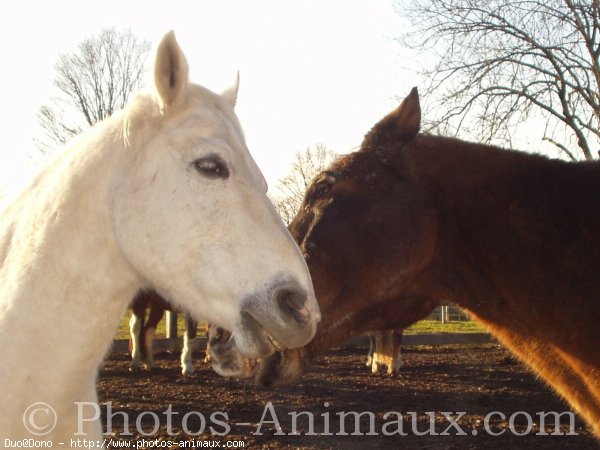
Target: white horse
(163,195)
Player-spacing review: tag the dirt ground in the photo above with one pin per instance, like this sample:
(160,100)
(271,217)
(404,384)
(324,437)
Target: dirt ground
(497,399)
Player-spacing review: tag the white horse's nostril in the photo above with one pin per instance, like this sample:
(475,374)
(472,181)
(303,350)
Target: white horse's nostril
(292,301)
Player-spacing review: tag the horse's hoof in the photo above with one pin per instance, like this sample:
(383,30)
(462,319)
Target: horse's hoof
(187,371)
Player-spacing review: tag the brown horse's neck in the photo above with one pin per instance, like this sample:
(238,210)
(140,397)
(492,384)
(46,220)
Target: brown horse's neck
(518,247)
(518,234)
(464,174)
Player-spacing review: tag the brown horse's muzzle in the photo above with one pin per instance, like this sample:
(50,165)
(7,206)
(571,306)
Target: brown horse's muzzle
(279,368)
(226,360)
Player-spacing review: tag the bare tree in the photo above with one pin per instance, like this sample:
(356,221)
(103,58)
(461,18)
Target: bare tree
(291,188)
(501,62)
(92,82)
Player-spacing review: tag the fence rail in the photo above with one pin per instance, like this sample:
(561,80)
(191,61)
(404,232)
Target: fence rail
(448,313)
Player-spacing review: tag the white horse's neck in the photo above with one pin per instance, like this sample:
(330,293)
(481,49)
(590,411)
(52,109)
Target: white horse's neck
(60,294)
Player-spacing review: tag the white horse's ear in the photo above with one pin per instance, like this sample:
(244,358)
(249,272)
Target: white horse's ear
(231,94)
(170,72)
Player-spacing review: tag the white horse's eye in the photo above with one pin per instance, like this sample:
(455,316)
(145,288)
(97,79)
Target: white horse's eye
(211,167)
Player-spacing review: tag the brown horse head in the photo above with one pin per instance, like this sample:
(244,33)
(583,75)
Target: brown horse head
(368,231)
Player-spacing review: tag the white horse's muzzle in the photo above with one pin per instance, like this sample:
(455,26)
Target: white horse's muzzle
(285,315)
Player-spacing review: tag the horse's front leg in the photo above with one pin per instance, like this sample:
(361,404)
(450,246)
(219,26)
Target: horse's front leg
(136,352)
(397,362)
(149,342)
(157,311)
(371,350)
(189,345)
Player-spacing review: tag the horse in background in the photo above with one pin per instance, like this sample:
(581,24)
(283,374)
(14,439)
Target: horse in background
(142,331)
(385,351)
(162,195)
(410,219)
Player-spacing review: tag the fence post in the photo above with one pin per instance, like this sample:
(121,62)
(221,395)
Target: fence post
(172,329)
(444,313)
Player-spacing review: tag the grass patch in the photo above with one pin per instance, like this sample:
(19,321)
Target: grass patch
(435,326)
(161,329)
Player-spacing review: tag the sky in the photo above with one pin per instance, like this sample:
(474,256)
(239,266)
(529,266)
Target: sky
(312,71)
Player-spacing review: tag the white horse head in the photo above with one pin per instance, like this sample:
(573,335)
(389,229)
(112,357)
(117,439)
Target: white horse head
(163,195)
(192,217)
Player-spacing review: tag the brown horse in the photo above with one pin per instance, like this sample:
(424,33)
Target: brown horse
(385,351)
(411,219)
(142,331)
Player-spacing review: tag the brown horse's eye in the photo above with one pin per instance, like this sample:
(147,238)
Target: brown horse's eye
(211,167)
(321,190)
(324,185)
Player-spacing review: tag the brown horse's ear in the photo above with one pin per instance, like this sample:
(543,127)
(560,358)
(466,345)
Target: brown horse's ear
(401,124)
(408,115)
